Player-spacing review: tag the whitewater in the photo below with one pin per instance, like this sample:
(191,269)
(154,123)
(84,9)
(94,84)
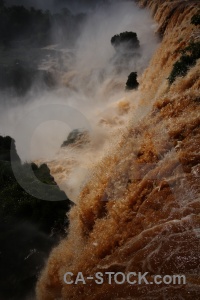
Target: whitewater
(134,173)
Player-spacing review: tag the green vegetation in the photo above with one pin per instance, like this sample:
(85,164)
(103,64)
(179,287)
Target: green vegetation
(193,49)
(187,60)
(132,83)
(196,19)
(125,41)
(29,227)
(127,47)
(16,22)
(24,34)
(34,27)
(20,77)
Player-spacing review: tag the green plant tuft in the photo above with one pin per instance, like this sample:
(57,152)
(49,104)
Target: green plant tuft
(196,19)
(190,54)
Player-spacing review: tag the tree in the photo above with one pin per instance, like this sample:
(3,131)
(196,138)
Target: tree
(125,41)
(2,3)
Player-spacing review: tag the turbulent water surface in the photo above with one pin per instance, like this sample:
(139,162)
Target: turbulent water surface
(138,209)
(134,173)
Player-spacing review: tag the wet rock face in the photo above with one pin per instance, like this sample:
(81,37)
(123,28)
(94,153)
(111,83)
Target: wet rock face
(75,137)
(29,227)
(140,210)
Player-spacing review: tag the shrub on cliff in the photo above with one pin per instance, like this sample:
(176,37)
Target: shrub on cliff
(132,83)
(33,27)
(196,19)
(193,49)
(126,41)
(181,67)
(188,59)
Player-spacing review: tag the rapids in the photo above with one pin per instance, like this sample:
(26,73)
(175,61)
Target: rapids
(137,207)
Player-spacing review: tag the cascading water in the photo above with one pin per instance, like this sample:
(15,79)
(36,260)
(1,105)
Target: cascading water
(134,176)
(138,212)
(91,84)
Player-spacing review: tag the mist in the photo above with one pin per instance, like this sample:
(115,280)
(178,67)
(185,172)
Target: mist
(90,93)
(77,81)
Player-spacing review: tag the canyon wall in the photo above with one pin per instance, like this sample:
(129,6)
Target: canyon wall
(139,212)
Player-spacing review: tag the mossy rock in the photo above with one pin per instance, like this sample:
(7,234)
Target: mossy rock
(74,136)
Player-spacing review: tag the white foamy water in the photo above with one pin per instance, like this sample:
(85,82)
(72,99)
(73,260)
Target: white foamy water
(90,86)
